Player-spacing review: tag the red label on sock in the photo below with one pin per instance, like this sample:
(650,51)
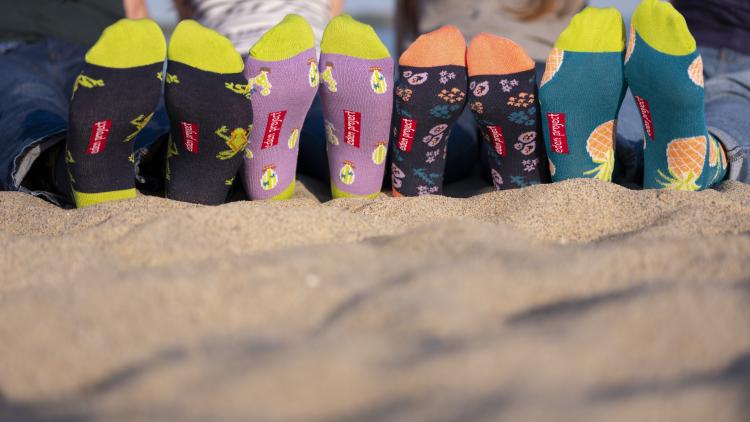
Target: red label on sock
(645,109)
(352,127)
(99,135)
(498,140)
(557,132)
(190,136)
(273,129)
(406,134)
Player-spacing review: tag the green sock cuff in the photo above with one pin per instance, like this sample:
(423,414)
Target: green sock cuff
(338,193)
(594,30)
(128,43)
(288,38)
(86,199)
(195,45)
(663,28)
(348,37)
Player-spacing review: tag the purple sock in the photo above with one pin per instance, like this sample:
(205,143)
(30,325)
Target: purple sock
(357,95)
(282,90)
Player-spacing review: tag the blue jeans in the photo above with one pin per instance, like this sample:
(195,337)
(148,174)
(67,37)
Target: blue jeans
(35,87)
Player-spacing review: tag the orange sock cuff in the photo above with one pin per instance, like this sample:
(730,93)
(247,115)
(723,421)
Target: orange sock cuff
(492,55)
(441,47)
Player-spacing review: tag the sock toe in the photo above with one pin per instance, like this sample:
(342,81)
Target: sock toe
(205,49)
(128,43)
(288,38)
(492,55)
(663,28)
(344,35)
(441,47)
(594,30)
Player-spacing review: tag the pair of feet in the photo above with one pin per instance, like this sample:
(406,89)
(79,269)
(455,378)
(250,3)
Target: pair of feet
(227,115)
(438,77)
(587,75)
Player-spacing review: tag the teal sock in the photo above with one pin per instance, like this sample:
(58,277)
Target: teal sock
(665,74)
(581,93)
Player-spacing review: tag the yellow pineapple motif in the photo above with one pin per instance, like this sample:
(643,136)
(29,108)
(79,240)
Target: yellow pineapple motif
(269,179)
(87,82)
(601,149)
(346,174)
(379,153)
(554,62)
(261,80)
(229,181)
(552,168)
(293,138)
(139,122)
(695,71)
(131,158)
(171,148)
(631,44)
(314,77)
(685,160)
(377,80)
(69,157)
(328,79)
(236,141)
(239,88)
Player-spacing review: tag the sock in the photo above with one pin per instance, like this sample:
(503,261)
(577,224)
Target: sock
(581,93)
(356,93)
(114,97)
(430,96)
(282,68)
(503,99)
(207,100)
(665,74)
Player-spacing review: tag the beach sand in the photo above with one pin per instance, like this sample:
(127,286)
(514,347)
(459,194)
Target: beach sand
(577,301)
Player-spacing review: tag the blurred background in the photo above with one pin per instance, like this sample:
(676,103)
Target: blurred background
(379,14)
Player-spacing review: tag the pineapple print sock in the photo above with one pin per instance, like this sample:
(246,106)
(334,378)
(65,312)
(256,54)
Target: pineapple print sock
(207,100)
(665,74)
(114,97)
(502,97)
(430,96)
(283,70)
(581,93)
(356,93)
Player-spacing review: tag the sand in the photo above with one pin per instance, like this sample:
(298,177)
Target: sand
(578,301)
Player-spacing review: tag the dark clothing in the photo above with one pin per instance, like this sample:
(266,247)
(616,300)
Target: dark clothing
(80,21)
(718,23)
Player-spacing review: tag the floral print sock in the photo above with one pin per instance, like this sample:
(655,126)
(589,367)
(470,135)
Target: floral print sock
(503,99)
(282,70)
(581,93)
(430,96)
(207,100)
(665,73)
(356,92)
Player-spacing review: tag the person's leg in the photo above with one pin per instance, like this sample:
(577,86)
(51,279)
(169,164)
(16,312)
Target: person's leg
(33,105)
(727,109)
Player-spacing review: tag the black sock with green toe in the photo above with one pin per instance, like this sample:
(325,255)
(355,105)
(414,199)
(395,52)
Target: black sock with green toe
(207,99)
(114,97)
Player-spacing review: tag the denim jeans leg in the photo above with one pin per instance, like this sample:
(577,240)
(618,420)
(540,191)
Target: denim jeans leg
(727,106)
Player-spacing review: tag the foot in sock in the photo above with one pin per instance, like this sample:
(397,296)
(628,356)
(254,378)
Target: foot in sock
(356,93)
(581,93)
(503,99)
(430,96)
(207,100)
(665,74)
(114,97)
(283,70)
